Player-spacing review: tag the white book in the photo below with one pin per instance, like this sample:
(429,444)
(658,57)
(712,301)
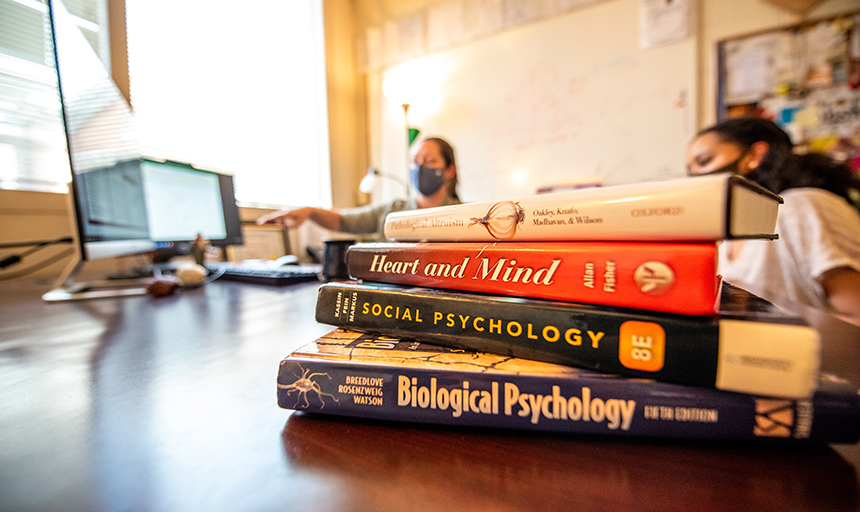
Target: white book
(702,208)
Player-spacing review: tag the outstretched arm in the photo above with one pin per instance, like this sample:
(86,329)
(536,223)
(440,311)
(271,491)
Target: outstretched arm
(842,286)
(328,219)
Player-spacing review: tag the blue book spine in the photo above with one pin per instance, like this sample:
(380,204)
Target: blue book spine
(377,377)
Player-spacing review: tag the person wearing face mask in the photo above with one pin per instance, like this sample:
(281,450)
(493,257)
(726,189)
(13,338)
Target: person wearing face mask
(434,178)
(816,260)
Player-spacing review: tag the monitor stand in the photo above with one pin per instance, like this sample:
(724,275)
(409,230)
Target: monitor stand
(67,289)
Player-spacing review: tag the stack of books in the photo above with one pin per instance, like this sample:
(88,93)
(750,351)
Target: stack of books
(591,311)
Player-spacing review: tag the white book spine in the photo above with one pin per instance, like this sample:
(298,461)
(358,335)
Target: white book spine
(768,359)
(688,209)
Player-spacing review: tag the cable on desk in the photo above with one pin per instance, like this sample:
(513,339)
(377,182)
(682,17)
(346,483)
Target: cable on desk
(36,242)
(37,246)
(215,275)
(5,276)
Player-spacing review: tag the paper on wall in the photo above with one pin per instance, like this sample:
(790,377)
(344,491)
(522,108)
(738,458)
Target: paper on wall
(663,22)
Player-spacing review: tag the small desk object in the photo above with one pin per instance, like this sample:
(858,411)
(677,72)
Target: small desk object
(160,404)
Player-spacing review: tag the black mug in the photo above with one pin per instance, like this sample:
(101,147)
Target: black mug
(334,260)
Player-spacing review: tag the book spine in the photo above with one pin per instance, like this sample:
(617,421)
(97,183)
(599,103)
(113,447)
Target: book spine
(662,347)
(677,210)
(620,407)
(674,278)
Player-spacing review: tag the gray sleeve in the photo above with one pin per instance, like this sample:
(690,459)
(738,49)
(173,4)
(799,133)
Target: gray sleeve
(368,219)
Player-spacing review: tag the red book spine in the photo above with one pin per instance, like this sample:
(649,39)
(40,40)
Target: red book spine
(670,277)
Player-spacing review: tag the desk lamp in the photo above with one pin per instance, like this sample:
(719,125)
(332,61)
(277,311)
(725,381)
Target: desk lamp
(368,182)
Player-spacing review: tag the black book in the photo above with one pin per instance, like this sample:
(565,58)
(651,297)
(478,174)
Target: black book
(751,346)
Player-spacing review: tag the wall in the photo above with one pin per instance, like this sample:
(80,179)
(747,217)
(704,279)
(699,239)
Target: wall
(346,104)
(599,39)
(554,102)
(28,216)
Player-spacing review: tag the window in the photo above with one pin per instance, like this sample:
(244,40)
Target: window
(32,144)
(237,87)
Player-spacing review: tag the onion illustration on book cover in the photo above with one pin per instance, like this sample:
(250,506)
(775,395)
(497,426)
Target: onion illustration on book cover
(501,220)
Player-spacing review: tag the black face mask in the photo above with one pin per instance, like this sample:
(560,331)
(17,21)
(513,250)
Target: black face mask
(731,167)
(427,180)
(734,168)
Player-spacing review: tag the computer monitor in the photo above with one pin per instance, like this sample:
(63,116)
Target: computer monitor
(146,205)
(123,202)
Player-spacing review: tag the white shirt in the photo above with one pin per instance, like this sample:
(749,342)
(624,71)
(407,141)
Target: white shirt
(818,231)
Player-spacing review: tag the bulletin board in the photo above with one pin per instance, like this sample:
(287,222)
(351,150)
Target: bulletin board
(805,77)
(574,99)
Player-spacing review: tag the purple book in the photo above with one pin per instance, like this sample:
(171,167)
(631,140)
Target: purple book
(366,375)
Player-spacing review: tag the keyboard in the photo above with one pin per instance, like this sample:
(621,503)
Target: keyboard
(283,275)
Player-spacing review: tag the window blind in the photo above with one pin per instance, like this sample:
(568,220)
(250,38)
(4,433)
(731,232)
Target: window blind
(32,143)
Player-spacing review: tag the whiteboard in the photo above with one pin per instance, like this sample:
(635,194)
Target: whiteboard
(553,102)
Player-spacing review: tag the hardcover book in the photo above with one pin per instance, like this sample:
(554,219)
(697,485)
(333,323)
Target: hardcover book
(670,277)
(750,347)
(363,375)
(702,208)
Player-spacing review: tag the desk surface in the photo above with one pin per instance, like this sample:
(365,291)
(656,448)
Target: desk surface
(169,404)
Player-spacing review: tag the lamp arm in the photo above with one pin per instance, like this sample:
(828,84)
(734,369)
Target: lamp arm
(373,173)
(394,177)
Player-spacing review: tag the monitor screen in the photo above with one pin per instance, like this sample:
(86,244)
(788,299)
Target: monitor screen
(183,201)
(146,205)
(124,202)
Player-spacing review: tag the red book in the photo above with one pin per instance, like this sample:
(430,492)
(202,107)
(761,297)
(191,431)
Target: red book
(670,277)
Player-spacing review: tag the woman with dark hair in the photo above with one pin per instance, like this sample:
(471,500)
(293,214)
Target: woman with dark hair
(433,176)
(816,260)
(447,154)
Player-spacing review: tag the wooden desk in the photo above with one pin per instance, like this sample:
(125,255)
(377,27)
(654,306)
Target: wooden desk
(169,404)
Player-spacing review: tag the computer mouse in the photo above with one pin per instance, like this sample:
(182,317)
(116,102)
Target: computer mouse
(289,259)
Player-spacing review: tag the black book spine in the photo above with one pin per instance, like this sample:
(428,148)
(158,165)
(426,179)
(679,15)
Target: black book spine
(669,348)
